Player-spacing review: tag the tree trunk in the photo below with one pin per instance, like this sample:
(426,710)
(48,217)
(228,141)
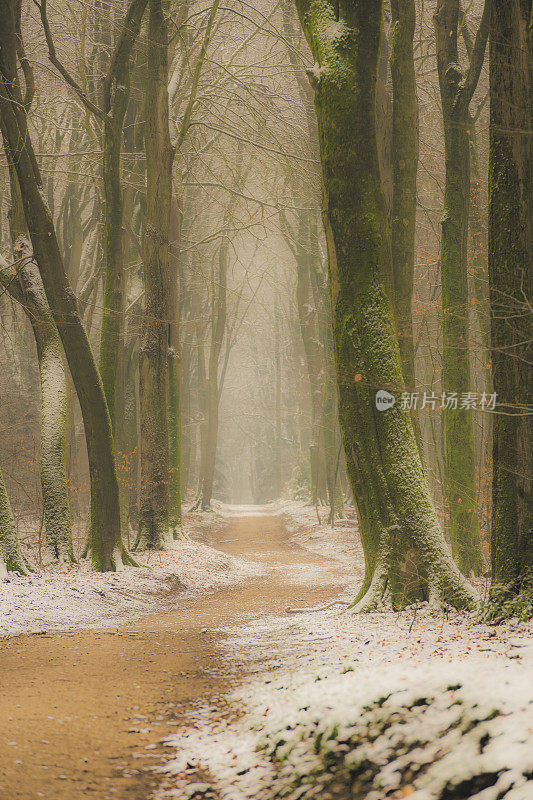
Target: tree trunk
(153,357)
(174,377)
(28,290)
(481,299)
(510,276)
(116,93)
(328,417)
(113,301)
(201,387)
(11,558)
(314,353)
(107,548)
(404,169)
(456,92)
(278,466)
(405,551)
(218,331)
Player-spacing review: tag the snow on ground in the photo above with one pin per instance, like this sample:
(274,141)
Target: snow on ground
(421,703)
(65,597)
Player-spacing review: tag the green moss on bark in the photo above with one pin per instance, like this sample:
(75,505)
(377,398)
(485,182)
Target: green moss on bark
(456,92)
(11,558)
(62,302)
(511,282)
(406,556)
(153,356)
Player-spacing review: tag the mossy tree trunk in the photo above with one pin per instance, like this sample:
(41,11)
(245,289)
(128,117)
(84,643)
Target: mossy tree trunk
(456,92)
(107,550)
(510,276)
(25,286)
(314,354)
(153,356)
(405,551)
(111,114)
(11,557)
(404,172)
(116,93)
(313,306)
(329,393)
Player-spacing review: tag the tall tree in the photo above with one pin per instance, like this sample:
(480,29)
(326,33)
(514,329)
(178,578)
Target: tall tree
(405,551)
(404,172)
(456,90)
(511,286)
(218,333)
(24,284)
(110,110)
(11,556)
(153,357)
(107,549)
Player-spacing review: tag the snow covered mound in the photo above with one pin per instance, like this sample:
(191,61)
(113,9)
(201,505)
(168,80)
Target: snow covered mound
(424,738)
(65,597)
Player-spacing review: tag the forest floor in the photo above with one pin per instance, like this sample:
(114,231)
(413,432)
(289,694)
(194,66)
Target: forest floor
(173,704)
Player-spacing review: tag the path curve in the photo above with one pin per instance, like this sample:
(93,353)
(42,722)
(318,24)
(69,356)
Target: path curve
(83,712)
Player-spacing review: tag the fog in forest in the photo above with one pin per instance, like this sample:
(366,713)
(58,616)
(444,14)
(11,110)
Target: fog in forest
(265,345)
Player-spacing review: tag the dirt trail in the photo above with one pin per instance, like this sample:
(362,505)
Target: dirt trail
(82,713)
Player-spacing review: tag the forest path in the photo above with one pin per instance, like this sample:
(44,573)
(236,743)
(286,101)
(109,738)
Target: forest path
(82,713)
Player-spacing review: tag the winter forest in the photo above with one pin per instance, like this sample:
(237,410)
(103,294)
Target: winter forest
(266,399)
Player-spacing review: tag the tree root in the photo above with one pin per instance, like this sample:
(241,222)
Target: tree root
(289,610)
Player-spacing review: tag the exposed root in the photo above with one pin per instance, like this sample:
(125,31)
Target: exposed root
(373,598)
(506,602)
(289,610)
(179,534)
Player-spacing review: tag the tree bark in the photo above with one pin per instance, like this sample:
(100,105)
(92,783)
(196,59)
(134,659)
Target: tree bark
(278,459)
(314,354)
(456,92)
(510,276)
(11,557)
(115,103)
(405,551)
(26,288)
(107,550)
(404,169)
(153,357)
(24,285)
(218,331)
(174,375)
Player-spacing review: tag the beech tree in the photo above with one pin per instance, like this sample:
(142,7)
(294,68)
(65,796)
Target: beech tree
(511,285)
(11,557)
(23,282)
(405,552)
(153,359)
(107,549)
(456,91)
(404,159)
